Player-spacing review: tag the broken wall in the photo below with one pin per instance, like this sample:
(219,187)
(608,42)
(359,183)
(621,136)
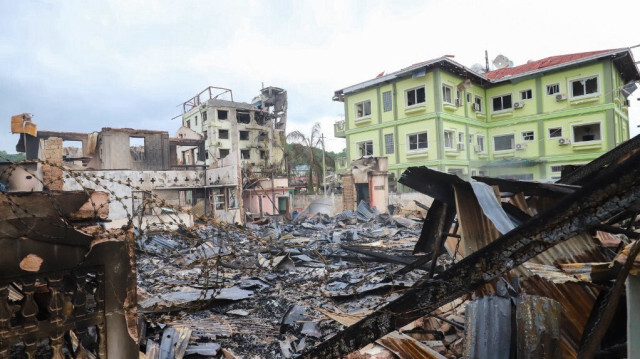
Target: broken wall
(115,150)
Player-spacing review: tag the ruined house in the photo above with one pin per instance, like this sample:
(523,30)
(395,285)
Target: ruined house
(254,131)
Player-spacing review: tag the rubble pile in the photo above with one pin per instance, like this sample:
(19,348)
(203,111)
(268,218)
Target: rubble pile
(273,297)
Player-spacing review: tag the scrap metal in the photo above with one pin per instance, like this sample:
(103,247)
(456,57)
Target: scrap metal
(613,189)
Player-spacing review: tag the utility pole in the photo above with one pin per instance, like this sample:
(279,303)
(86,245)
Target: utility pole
(324,169)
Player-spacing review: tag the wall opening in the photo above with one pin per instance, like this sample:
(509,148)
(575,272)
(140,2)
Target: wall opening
(243,116)
(72,149)
(137,148)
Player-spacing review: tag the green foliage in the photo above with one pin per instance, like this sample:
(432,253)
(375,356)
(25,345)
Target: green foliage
(15,157)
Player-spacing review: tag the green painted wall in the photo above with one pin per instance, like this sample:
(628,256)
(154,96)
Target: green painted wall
(604,109)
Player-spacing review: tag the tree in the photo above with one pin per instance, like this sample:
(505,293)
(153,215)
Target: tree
(309,145)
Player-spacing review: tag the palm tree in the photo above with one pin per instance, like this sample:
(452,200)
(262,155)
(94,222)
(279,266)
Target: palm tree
(309,143)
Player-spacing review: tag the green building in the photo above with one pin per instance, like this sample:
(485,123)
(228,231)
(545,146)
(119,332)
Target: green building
(523,122)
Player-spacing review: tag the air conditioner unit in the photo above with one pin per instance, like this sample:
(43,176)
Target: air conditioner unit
(476,107)
(561,97)
(458,102)
(521,146)
(460,146)
(564,141)
(519,104)
(477,149)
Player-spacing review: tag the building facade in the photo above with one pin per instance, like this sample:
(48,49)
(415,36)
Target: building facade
(253,131)
(524,122)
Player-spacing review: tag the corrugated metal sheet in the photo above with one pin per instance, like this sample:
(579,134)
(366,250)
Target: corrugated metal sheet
(576,300)
(488,328)
(538,325)
(406,347)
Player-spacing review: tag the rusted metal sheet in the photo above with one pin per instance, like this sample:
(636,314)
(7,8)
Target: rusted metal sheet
(576,299)
(488,328)
(538,326)
(406,347)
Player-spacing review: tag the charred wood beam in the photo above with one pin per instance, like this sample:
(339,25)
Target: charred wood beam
(438,221)
(383,256)
(529,188)
(515,212)
(616,230)
(604,313)
(584,173)
(614,190)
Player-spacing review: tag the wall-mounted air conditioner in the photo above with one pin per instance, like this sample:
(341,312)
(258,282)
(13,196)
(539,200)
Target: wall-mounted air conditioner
(561,97)
(564,141)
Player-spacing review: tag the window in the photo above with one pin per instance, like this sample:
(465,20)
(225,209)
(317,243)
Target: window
(416,96)
(223,134)
(469,97)
(418,141)
(223,114)
(446,94)
(526,94)
(501,103)
(136,148)
(245,154)
(189,123)
(459,96)
(196,120)
(480,139)
(461,137)
(478,104)
(386,101)
(388,143)
(224,152)
(365,148)
(556,168)
(263,136)
(555,132)
(588,132)
(204,116)
(363,109)
(244,135)
(504,142)
(528,136)
(263,154)
(584,86)
(470,139)
(243,116)
(448,139)
(553,89)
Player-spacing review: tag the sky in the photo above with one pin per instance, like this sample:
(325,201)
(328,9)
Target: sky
(83,65)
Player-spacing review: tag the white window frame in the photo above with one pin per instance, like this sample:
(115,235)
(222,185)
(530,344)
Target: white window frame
(525,91)
(450,88)
(555,93)
(513,143)
(481,142)
(384,103)
(414,90)
(533,134)
(416,134)
(570,86)
(461,137)
(355,108)
(393,144)
(504,109)
(471,139)
(573,139)
(362,142)
(453,139)
(553,128)
(475,100)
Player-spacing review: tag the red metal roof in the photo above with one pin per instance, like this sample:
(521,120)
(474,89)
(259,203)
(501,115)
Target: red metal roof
(540,64)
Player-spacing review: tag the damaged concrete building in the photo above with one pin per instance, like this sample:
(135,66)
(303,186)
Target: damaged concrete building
(255,132)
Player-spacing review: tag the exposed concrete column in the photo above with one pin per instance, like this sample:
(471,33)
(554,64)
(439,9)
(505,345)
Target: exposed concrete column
(52,175)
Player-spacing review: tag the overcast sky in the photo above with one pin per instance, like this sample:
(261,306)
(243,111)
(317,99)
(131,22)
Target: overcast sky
(80,65)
